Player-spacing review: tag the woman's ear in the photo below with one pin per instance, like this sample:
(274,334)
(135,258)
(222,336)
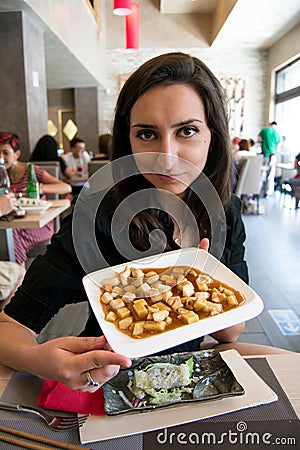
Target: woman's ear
(18,153)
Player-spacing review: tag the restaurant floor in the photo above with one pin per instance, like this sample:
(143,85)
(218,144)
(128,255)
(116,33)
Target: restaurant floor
(273,255)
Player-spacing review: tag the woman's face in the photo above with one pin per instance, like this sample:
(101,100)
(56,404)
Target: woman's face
(170,122)
(7,152)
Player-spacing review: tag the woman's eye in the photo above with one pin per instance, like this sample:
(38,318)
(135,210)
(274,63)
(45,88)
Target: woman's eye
(188,131)
(145,135)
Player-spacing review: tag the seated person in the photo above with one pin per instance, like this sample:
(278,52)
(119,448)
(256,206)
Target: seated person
(295,181)
(77,164)
(11,274)
(244,151)
(46,150)
(104,145)
(26,239)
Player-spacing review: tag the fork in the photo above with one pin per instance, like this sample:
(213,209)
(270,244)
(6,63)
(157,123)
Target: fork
(57,423)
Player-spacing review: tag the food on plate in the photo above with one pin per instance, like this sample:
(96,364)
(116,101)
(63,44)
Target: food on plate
(167,380)
(28,202)
(162,382)
(143,302)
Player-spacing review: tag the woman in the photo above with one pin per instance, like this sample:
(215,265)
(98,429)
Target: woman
(46,150)
(171,115)
(26,239)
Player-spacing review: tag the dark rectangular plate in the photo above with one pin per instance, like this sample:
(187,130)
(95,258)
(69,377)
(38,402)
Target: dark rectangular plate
(216,381)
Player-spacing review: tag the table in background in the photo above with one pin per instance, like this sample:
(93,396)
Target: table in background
(29,221)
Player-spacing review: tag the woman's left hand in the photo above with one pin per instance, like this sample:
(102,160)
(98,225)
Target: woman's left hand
(204,244)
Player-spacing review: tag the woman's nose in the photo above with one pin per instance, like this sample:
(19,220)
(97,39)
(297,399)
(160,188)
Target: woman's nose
(167,154)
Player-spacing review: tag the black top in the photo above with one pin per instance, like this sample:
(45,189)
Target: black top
(55,278)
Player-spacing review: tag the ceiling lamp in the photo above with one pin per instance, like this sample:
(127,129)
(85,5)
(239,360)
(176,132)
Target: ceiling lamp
(122,7)
(133,27)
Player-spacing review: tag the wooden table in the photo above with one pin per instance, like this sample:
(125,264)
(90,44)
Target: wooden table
(29,221)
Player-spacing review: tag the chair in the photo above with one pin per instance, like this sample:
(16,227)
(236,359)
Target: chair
(93,166)
(250,178)
(53,168)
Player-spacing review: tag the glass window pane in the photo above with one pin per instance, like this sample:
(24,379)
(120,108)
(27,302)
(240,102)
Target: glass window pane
(288,78)
(287,117)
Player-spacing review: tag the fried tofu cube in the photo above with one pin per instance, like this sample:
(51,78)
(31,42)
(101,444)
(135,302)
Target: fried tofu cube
(175,302)
(123,276)
(187,289)
(232,300)
(161,315)
(216,308)
(189,317)
(154,326)
(155,295)
(125,323)
(162,306)
(140,308)
(128,297)
(166,295)
(138,328)
(130,288)
(113,281)
(144,290)
(106,297)
(111,317)
(151,277)
(123,312)
(137,273)
(202,294)
(201,304)
(117,303)
(117,290)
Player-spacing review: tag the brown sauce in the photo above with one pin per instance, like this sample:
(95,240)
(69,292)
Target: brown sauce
(177,322)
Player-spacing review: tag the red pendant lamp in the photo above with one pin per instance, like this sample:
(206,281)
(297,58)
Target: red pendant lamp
(122,7)
(132,22)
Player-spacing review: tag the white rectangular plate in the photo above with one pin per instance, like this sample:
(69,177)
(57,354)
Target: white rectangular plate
(192,257)
(257,392)
(39,208)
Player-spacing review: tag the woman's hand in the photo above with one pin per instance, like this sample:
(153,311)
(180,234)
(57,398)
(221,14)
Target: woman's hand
(7,203)
(204,244)
(68,359)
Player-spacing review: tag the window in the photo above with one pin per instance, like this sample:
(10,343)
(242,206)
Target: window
(287,104)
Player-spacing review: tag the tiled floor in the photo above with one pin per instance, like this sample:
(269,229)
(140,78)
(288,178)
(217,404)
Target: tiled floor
(273,255)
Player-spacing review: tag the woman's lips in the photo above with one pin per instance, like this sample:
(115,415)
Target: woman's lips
(168,178)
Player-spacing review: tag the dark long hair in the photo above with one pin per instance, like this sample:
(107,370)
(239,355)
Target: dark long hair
(45,149)
(169,69)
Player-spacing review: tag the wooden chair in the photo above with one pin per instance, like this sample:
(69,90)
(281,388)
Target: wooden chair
(250,178)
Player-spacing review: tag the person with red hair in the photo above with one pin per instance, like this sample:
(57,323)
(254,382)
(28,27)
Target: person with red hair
(26,239)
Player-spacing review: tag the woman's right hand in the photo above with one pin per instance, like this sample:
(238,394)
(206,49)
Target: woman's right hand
(7,203)
(68,359)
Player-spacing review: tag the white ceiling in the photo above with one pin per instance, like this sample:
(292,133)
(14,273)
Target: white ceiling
(256,23)
(187,6)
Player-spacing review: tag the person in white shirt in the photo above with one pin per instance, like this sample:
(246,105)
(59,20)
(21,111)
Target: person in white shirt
(77,164)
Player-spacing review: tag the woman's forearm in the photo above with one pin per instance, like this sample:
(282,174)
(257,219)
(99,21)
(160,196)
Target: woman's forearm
(16,344)
(229,334)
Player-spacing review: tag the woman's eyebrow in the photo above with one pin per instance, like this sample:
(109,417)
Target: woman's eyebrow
(179,124)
